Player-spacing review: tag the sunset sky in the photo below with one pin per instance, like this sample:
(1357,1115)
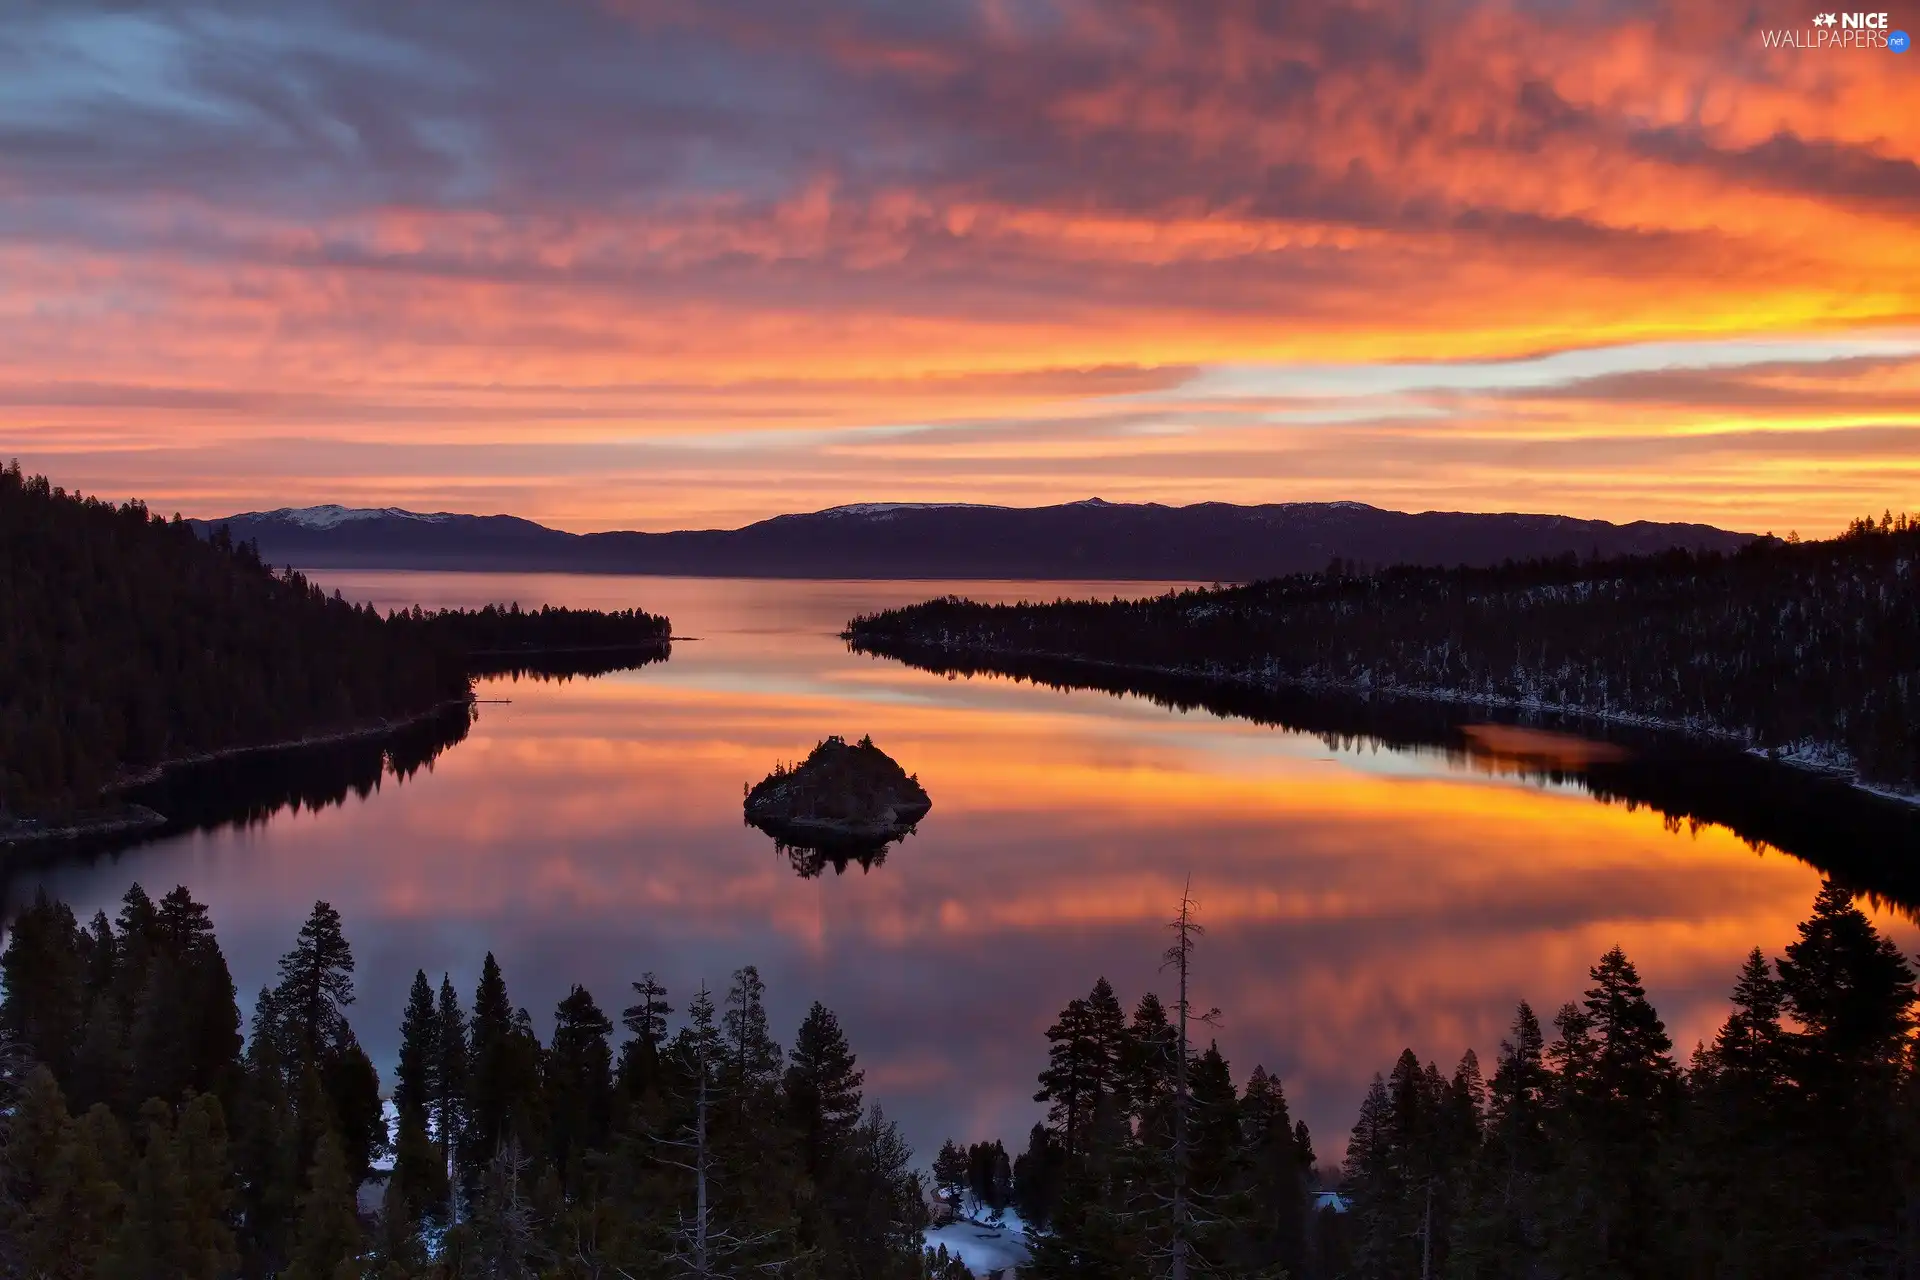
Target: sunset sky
(670,263)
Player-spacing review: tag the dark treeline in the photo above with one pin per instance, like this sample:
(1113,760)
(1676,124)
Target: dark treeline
(1807,648)
(1844,831)
(497,630)
(127,641)
(1788,1146)
(140,1135)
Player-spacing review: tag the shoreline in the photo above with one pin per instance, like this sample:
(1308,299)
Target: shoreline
(1798,760)
(133,817)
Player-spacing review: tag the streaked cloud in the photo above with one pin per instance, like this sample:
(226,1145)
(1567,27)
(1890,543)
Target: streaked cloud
(655,263)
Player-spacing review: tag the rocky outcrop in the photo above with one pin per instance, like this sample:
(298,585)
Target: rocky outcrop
(843,795)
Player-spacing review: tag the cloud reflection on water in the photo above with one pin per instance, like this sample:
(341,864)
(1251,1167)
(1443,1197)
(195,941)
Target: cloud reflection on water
(1357,901)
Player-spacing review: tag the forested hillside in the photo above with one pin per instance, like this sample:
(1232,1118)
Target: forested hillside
(1810,649)
(127,641)
(141,1135)
(1786,1147)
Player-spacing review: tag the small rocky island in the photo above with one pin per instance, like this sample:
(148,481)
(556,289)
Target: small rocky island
(845,799)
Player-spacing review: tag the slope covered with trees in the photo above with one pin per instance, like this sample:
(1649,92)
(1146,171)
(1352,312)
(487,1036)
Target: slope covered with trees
(1788,1146)
(127,641)
(141,1135)
(1808,649)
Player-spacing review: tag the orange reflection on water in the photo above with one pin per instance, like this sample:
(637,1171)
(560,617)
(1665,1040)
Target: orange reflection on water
(1357,901)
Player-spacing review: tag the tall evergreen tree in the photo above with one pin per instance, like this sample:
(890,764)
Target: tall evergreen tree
(328,1237)
(450,1081)
(43,985)
(316,986)
(579,1084)
(1618,1093)
(822,1091)
(1852,993)
(152,1241)
(503,1084)
(266,1148)
(317,1045)
(80,1207)
(1277,1179)
(1067,1084)
(646,1023)
(416,1084)
(1039,1175)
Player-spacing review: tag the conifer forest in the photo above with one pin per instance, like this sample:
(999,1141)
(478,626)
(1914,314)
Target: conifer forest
(148,1130)
(1806,650)
(132,642)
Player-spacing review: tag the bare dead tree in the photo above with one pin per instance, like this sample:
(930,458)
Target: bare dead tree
(1179,957)
(507,1224)
(703,1249)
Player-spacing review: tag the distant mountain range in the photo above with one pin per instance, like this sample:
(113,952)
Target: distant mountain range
(1209,541)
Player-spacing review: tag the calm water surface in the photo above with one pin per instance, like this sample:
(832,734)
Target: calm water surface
(1356,901)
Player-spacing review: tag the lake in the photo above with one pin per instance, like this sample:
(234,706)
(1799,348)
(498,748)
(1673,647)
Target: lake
(1358,899)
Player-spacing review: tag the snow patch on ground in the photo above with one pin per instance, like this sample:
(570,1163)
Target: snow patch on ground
(985,1247)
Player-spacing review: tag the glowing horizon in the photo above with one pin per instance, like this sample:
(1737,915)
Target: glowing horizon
(648,264)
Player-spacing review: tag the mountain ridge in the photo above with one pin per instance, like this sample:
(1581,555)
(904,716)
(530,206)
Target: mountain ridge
(1091,538)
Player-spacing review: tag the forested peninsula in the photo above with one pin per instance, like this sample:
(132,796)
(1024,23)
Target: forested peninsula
(127,642)
(1808,651)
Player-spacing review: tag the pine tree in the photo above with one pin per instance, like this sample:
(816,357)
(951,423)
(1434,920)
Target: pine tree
(1852,993)
(266,1148)
(753,1055)
(419,1173)
(399,1252)
(1619,1090)
(42,985)
(316,986)
(1739,1206)
(1039,1175)
(883,1210)
(1149,1058)
(1277,1173)
(579,1083)
(1749,1051)
(1110,1051)
(33,1128)
(329,1233)
(79,1208)
(950,1173)
(646,1024)
(353,1091)
(416,1084)
(1067,1085)
(201,1154)
(184,1026)
(822,1092)
(152,1240)
(1376,1189)
(503,1083)
(450,1081)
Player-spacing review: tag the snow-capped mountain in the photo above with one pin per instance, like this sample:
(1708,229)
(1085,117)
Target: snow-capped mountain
(1091,538)
(333,515)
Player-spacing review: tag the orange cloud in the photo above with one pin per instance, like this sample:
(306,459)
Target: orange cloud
(718,261)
